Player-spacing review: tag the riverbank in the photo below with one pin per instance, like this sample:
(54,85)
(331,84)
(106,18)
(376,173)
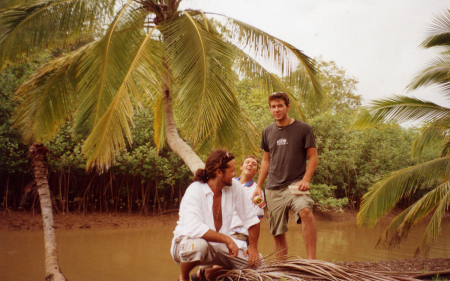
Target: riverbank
(23,220)
(29,221)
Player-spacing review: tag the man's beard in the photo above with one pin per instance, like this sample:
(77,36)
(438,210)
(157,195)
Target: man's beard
(229,183)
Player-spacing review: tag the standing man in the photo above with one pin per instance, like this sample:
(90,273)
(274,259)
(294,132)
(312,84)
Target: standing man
(202,235)
(249,169)
(287,144)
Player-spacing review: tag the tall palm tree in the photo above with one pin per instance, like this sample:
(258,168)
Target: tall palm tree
(183,63)
(433,175)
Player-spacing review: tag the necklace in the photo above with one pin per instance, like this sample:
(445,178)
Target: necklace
(216,215)
(282,127)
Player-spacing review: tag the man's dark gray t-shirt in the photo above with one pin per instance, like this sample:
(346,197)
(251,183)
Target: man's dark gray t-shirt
(287,148)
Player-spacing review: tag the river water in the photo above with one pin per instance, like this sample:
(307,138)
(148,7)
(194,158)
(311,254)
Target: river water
(143,253)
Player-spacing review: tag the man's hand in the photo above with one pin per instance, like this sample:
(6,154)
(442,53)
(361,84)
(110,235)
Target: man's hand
(256,192)
(233,249)
(253,255)
(303,185)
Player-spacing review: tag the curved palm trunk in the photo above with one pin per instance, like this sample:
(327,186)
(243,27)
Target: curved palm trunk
(39,164)
(178,145)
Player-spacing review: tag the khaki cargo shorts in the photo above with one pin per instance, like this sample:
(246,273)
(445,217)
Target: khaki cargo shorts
(197,249)
(278,204)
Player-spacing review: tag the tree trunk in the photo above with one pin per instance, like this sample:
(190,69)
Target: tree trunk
(178,145)
(39,164)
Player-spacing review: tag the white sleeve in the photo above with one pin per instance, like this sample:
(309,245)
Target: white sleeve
(191,214)
(245,211)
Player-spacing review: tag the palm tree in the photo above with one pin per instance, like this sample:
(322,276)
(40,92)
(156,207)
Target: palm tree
(433,175)
(38,153)
(145,52)
(182,63)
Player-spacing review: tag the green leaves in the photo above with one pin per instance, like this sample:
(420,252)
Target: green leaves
(436,200)
(440,32)
(401,109)
(276,54)
(430,134)
(208,111)
(114,77)
(438,73)
(383,196)
(38,25)
(48,98)
(137,53)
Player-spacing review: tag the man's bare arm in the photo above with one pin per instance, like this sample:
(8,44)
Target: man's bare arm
(253,235)
(263,172)
(313,157)
(213,236)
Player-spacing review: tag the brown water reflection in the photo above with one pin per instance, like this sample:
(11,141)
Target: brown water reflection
(143,253)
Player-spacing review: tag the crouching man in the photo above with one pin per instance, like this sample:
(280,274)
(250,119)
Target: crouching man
(202,236)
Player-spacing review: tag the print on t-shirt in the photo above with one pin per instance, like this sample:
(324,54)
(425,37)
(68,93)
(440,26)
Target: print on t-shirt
(282,142)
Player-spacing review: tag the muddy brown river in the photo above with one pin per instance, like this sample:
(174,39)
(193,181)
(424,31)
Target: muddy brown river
(143,253)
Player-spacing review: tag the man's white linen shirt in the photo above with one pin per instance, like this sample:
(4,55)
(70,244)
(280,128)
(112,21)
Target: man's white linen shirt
(196,217)
(236,224)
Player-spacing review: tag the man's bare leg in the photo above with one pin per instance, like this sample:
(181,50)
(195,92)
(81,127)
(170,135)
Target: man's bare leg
(309,232)
(280,246)
(186,268)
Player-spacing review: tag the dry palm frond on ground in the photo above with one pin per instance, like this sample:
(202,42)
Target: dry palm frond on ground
(296,269)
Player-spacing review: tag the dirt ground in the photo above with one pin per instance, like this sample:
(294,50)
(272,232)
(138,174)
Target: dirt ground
(27,220)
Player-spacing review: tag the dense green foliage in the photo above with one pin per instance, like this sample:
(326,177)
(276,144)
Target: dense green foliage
(144,180)
(428,183)
(139,170)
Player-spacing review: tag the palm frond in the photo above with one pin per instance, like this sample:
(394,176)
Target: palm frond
(434,227)
(159,128)
(277,55)
(238,134)
(383,195)
(206,102)
(437,73)
(251,69)
(297,269)
(432,132)
(48,98)
(438,200)
(384,241)
(401,109)
(445,150)
(440,31)
(103,69)
(118,83)
(12,3)
(38,25)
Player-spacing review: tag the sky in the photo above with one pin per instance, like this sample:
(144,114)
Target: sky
(375,41)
